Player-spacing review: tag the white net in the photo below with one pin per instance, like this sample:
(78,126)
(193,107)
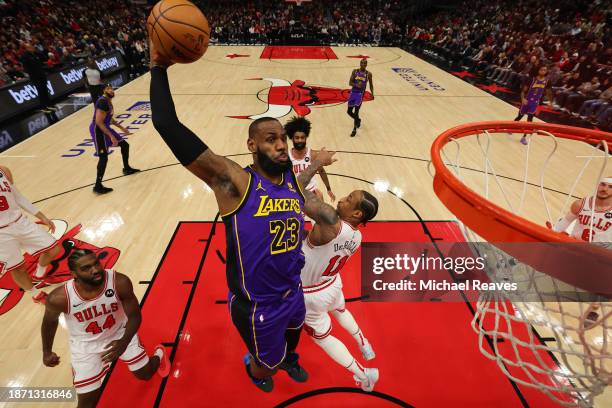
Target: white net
(548,334)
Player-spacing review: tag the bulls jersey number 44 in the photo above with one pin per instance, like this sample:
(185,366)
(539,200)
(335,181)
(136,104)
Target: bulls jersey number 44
(94,323)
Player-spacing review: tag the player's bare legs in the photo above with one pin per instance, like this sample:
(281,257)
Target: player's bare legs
(45,259)
(89,399)
(348,322)
(22,279)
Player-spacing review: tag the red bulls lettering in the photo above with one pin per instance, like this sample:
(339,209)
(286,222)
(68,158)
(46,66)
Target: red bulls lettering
(5,187)
(93,312)
(600,225)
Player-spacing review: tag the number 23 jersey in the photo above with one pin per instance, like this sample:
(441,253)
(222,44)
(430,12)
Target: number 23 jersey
(263,239)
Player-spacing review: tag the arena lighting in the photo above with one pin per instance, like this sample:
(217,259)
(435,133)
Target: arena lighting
(381,185)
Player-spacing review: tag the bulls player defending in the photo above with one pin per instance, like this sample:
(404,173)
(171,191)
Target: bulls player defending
(298,130)
(597,230)
(332,241)
(358,81)
(102,316)
(18,233)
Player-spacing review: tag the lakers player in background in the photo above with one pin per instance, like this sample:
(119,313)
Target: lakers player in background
(261,207)
(593,216)
(102,317)
(298,130)
(332,241)
(358,81)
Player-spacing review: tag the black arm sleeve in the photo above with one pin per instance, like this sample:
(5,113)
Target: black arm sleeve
(185,145)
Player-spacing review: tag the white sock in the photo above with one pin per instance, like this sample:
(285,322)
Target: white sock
(34,291)
(340,354)
(159,353)
(346,320)
(40,271)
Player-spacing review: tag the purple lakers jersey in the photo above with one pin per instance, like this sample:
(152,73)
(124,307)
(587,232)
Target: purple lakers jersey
(360,81)
(264,245)
(536,91)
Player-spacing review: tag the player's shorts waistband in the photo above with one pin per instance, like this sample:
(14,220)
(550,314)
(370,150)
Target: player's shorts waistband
(277,298)
(12,222)
(319,286)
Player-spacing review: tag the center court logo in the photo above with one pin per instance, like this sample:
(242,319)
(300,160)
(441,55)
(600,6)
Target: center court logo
(132,119)
(58,271)
(284,96)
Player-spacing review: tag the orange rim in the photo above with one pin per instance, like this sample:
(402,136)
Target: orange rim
(496,224)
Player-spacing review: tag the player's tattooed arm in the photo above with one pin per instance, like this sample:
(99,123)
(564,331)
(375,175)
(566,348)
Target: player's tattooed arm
(55,304)
(228,180)
(319,211)
(323,158)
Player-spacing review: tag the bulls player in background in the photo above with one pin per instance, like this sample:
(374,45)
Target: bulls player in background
(298,130)
(332,241)
(18,233)
(597,229)
(102,317)
(358,81)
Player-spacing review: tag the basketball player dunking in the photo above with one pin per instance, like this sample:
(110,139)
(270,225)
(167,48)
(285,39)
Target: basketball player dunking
(104,137)
(261,207)
(298,130)
(597,229)
(332,241)
(18,233)
(102,316)
(531,96)
(358,81)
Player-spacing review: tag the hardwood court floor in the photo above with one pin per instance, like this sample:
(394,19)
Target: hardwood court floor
(412,105)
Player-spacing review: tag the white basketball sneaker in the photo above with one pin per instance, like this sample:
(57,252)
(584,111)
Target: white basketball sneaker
(367,384)
(367,351)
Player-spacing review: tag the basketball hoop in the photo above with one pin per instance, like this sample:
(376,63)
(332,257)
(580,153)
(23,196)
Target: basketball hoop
(484,205)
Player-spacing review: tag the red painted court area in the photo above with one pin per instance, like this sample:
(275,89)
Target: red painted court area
(427,353)
(297,52)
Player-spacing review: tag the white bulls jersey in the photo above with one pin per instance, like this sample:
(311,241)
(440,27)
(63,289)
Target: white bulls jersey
(299,165)
(9,209)
(94,323)
(325,261)
(601,229)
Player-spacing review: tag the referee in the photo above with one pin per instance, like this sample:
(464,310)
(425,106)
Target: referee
(94,81)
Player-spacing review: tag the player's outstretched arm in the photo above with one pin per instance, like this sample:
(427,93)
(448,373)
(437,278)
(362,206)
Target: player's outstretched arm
(56,304)
(323,214)
(565,222)
(25,204)
(227,179)
(323,158)
(371,84)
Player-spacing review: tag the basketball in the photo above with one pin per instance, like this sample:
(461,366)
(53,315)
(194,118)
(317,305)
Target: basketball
(179,30)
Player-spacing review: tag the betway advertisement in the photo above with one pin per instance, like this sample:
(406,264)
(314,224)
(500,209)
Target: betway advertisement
(23,96)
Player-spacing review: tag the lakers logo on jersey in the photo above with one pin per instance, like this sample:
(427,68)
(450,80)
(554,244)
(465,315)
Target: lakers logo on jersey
(269,205)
